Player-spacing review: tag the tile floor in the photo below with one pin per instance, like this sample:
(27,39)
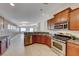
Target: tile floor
(17,48)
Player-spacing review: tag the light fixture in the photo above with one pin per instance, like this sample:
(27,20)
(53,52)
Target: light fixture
(12,4)
(45,3)
(43,14)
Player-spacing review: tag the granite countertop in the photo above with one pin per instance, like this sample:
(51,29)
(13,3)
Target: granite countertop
(74,41)
(3,35)
(37,33)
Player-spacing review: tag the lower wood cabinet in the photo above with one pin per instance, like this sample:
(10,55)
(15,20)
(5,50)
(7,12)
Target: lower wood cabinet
(42,39)
(38,37)
(72,49)
(34,37)
(27,40)
(48,40)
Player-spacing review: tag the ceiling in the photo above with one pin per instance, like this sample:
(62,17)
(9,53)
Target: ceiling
(32,13)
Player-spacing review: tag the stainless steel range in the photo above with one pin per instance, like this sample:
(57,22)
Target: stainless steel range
(59,43)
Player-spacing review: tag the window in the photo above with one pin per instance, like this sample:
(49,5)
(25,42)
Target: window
(9,26)
(23,29)
(31,29)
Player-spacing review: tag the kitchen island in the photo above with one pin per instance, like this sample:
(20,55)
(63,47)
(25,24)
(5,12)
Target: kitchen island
(37,37)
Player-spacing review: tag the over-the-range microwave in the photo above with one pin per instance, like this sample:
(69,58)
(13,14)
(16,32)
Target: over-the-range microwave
(61,25)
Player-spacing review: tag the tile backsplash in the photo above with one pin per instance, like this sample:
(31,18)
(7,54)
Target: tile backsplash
(75,33)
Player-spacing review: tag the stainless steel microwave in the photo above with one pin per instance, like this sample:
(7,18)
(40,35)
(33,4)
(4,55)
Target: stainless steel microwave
(61,25)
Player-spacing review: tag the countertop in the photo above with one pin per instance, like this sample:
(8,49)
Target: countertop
(37,33)
(3,36)
(74,41)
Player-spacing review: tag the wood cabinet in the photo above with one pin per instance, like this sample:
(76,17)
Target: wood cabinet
(37,37)
(74,19)
(62,16)
(68,15)
(72,49)
(42,39)
(34,38)
(38,40)
(27,40)
(48,40)
(59,18)
(51,23)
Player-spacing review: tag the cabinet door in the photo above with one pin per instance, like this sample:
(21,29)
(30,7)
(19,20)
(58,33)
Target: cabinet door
(38,40)
(34,38)
(74,20)
(49,23)
(63,15)
(48,41)
(72,49)
(27,40)
(43,39)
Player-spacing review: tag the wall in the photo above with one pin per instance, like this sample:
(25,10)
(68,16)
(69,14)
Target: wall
(43,26)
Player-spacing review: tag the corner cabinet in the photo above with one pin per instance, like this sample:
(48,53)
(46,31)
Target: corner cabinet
(51,23)
(72,49)
(74,19)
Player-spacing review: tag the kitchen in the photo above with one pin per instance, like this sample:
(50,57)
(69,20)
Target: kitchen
(59,31)
(67,22)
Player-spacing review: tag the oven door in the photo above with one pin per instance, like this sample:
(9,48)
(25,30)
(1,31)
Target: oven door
(60,47)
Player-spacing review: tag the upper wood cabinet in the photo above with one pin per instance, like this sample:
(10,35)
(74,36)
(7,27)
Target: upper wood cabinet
(62,16)
(51,22)
(69,16)
(74,19)
(72,49)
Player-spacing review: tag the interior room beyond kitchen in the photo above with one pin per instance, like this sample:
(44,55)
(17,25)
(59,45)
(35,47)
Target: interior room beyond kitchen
(39,29)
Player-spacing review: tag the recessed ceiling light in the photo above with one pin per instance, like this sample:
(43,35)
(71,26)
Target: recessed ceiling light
(41,9)
(43,14)
(24,22)
(45,3)
(12,4)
